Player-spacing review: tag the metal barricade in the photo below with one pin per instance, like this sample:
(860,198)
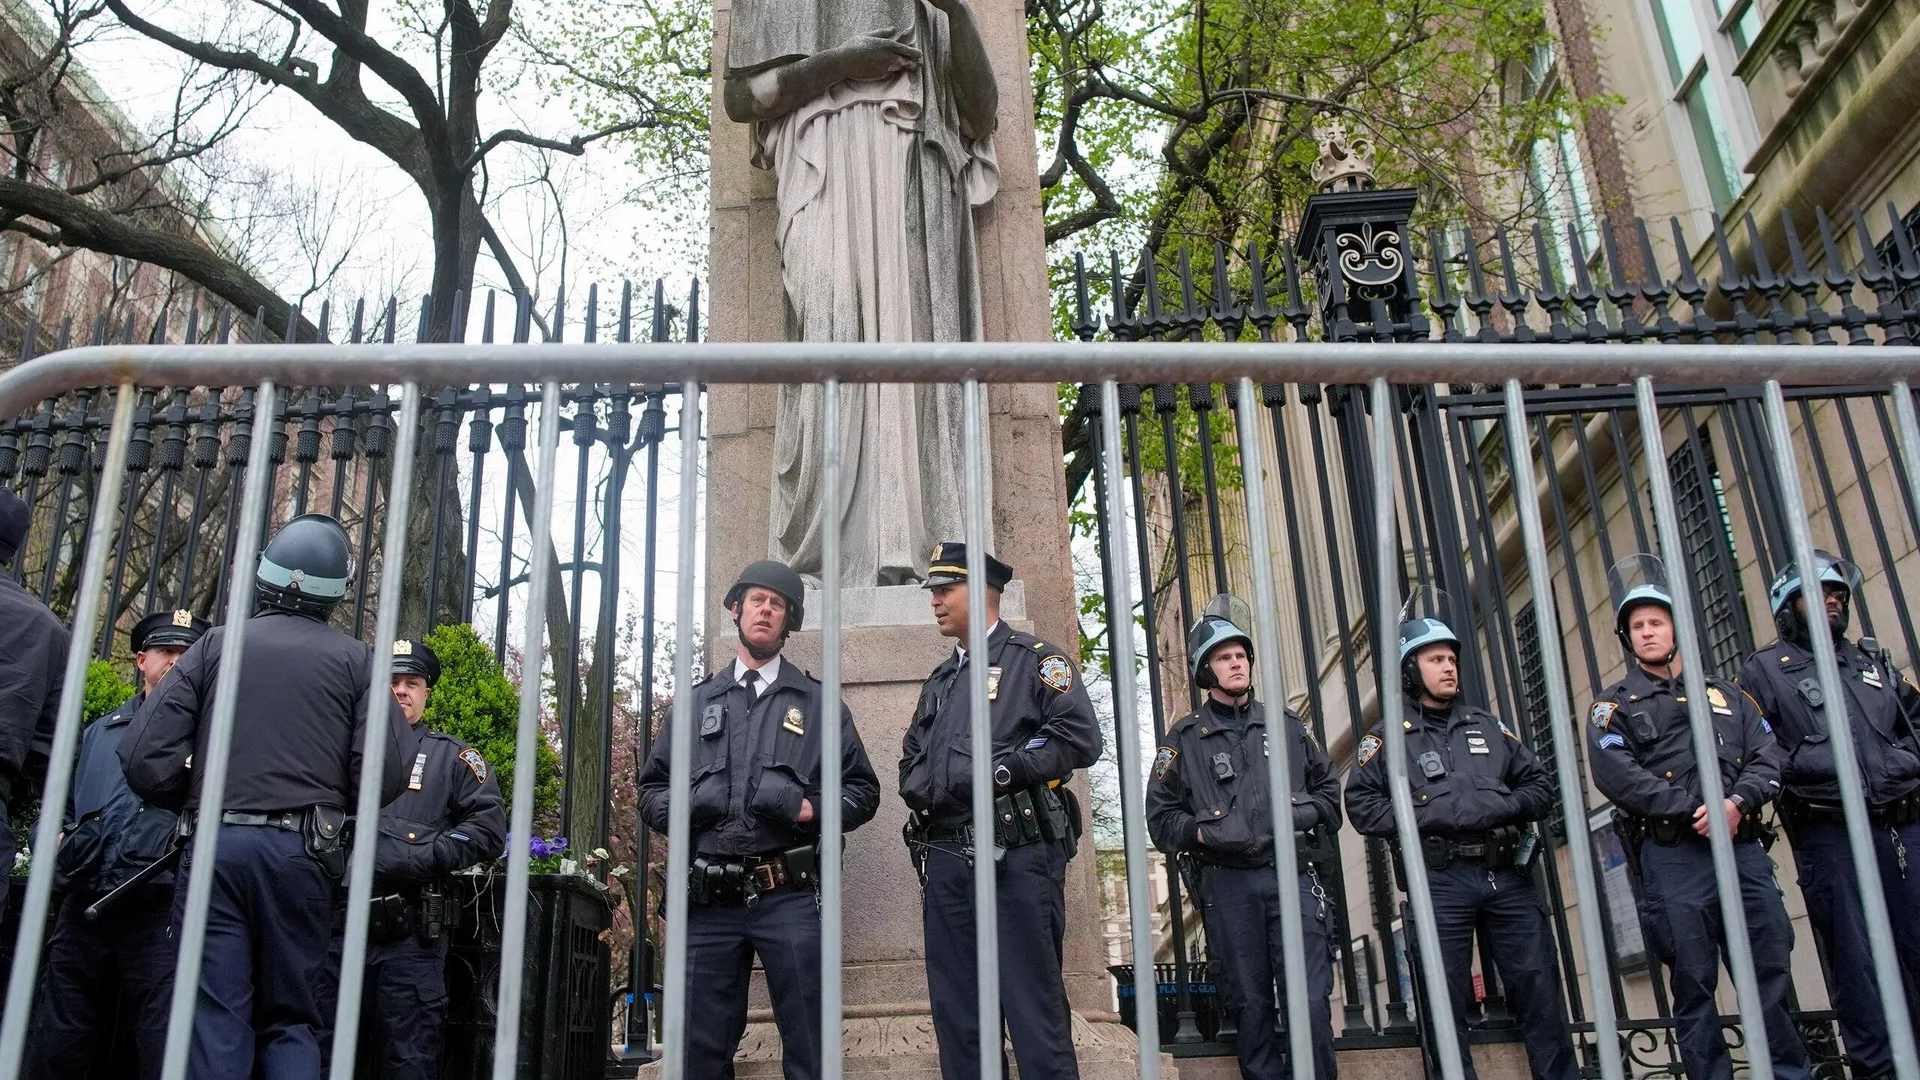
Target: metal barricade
(1375,365)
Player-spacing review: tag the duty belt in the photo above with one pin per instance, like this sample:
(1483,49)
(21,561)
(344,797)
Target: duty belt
(732,879)
(1668,831)
(292,821)
(1902,811)
(1492,849)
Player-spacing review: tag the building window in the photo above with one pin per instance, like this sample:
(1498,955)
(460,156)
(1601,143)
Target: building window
(1557,176)
(1889,251)
(1699,90)
(1534,724)
(1740,21)
(1706,532)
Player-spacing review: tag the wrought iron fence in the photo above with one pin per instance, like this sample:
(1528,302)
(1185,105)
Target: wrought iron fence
(1404,487)
(1449,465)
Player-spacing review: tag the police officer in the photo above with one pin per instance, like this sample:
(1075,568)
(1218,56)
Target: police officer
(1883,710)
(111,839)
(1043,729)
(1640,743)
(1477,790)
(33,661)
(1209,804)
(302,710)
(756,782)
(450,817)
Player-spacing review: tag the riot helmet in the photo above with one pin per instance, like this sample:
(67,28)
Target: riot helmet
(1423,622)
(777,577)
(1832,570)
(306,568)
(1634,582)
(1222,620)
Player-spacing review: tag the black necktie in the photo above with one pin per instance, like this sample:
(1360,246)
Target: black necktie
(747,679)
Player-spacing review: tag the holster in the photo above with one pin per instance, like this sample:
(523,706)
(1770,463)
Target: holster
(324,831)
(1032,815)
(1314,847)
(914,835)
(1435,852)
(437,915)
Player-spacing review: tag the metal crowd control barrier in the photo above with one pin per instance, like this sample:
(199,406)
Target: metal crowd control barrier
(1375,364)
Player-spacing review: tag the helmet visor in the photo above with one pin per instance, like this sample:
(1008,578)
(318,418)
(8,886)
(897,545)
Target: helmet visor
(1636,578)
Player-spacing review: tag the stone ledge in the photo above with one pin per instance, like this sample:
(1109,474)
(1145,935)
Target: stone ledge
(900,605)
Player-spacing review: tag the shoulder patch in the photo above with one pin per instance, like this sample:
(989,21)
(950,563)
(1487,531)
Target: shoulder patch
(1369,746)
(1163,762)
(1057,673)
(475,764)
(1306,729)
(1602,713)
(1507,731)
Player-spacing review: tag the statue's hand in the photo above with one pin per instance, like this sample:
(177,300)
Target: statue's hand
(872,56)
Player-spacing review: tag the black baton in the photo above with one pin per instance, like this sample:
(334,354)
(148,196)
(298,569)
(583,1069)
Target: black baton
(146,873)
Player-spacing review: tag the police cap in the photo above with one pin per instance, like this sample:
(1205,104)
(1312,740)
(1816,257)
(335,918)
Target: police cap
(176,628)
(412,657)
(948,565)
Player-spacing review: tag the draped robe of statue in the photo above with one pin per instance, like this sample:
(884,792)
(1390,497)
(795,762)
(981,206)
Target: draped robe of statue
(875,188)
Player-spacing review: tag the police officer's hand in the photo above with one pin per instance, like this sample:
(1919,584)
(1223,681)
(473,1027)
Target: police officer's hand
(806,811)
(1010,774)
(1705,828)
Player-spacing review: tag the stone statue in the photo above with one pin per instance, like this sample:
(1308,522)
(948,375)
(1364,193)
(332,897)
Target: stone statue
(877,119)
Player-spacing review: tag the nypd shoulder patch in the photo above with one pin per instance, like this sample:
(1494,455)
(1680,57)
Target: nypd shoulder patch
(1602,713)
(1163,762)
(1369,747)
(1057,673)
(475,764)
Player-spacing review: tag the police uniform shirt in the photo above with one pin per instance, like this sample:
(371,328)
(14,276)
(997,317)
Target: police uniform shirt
(1884,709)
(1044,726)
(451,815)
(1640,745)
(110,833)
(299,722)
(33,662)
(756,755)
(1479,777)
(1210,773)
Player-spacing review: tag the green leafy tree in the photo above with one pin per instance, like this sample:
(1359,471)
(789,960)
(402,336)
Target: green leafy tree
(476,703)
(106,691)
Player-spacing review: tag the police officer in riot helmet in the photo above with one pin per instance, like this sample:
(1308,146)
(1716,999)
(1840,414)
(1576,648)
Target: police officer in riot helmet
(753,887)
(451,816)
(111,943)
(1883,710)
(302,712)
(1640,744)
(1209,804)
(1477,791)
(33,662)
(1044,728)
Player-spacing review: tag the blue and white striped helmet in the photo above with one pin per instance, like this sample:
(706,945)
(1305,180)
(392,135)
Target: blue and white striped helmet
(1832,569)
(1417,634)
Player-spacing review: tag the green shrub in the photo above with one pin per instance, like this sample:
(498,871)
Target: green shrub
(105,691)
(476,703)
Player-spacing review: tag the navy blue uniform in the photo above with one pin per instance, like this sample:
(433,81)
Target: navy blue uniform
(450,817)
(755,759)
(1883,710)
(33,661)
(1044,728)
(1210,800)
(125,958)
(1476,789)
(1640,745)
(299,723)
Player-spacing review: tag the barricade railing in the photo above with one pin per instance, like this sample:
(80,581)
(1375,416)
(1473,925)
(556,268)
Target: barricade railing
(1379,366)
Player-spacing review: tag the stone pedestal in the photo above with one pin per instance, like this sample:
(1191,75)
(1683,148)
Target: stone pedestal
(886,658)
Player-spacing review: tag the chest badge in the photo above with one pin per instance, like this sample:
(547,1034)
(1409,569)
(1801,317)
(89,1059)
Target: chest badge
(795,722)
(419,772)
(1477,744)
(1871,676)
(993,683)
(1719,701)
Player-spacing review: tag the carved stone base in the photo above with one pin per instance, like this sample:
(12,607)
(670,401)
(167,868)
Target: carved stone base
(903,1048)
